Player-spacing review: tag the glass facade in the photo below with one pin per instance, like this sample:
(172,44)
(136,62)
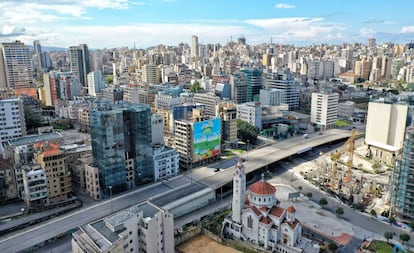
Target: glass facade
(402,194)
(118,133)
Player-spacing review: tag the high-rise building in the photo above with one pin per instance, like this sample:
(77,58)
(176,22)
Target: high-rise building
(150,74)
(197,141)
(254,83)
(371,42)
(210,101)
(79,64)
(251,113)
(239,87)
(95,83)
(15,66)
(386,123)
(271,96)
(402,183)
(194,47)
(64,85)
(284,81)
(228,114)
(140,228)
(12,120)
(324,109)
(121,132)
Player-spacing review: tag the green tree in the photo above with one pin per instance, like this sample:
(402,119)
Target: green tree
(195,87)
(109,79)
(323,202)
(373,212)
(32,118)
(339,211)
(376,166)
(392,219)
(411,224)
(247,132)
(388,235)
(332,246)
(404,237)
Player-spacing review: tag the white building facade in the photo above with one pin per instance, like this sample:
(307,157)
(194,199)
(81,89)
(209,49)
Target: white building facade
(12,123)
(141,228)
(166,162)
(95,83)
(324,109)
(251,113)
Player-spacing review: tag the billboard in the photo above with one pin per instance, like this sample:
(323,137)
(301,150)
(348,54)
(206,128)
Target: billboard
(207,139)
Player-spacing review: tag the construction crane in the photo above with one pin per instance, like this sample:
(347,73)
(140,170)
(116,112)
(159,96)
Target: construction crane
(349,148)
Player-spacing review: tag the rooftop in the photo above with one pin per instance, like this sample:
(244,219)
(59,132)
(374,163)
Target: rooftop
(34,139)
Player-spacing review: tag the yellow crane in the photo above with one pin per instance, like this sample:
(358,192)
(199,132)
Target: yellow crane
(349,148)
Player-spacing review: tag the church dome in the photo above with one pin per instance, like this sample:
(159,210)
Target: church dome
(262,188)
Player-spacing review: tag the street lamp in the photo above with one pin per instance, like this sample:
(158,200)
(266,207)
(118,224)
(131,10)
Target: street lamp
(110,198)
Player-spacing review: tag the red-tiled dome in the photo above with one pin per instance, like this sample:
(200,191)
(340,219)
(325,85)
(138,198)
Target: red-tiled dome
(262,188)
(291,209)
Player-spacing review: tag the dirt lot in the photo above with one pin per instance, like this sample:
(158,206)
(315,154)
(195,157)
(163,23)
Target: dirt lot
(204,244)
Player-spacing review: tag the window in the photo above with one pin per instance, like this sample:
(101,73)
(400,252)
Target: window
(249,221)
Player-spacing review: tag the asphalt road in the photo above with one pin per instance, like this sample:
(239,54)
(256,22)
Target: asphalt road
(37,234)
(206,176)
(358,218)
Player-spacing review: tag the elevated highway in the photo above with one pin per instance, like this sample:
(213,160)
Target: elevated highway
(167,192)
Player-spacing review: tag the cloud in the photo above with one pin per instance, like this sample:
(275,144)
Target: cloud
(10,30)
(283,22)
(284,6)
(407,29)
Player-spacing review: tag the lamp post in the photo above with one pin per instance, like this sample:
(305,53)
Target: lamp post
(110,198)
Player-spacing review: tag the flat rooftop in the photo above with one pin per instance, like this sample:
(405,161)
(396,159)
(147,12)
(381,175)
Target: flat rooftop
(30,139)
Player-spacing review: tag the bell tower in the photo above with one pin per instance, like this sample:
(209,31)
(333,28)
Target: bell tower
(239,190)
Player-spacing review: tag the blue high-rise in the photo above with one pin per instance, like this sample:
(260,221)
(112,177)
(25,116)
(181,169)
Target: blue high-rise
(121,133)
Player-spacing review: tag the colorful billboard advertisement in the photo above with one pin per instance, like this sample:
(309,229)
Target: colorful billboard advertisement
(207,139)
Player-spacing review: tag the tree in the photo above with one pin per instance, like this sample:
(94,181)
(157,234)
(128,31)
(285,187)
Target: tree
(411,224)
(392,219)
(247,132)
(300,188)
(404,237)
(323,202)
(195,87)
(32,119)
(332,246)
(339,211)
(388,235)
(376,166)
(373,212)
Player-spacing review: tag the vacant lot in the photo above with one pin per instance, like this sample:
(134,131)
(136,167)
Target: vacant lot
(204,244)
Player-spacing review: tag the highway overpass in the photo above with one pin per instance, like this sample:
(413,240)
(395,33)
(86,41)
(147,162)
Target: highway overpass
(167,192)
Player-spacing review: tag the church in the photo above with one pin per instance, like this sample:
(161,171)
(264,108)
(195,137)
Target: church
(258,218)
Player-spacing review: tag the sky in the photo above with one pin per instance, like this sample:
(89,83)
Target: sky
(146,23)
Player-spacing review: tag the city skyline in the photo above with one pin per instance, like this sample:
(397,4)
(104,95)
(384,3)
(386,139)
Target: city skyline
(146,23)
